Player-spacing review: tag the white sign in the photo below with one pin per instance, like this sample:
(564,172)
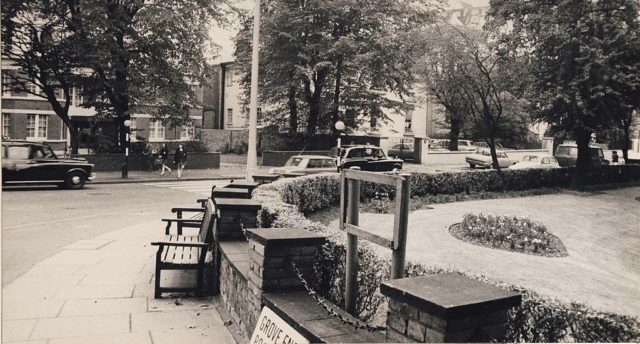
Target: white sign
(271,329)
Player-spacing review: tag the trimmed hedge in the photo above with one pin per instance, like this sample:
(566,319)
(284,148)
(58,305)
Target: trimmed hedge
(319,192)
(539,319)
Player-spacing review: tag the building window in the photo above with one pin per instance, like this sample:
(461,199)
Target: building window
(229,116)
(33,90)
(407,125)
(133,129)
(6,125)
(188,132)
(76,96)
(64,132)
(37,126)
(229,78)
(6,84)
(156,130)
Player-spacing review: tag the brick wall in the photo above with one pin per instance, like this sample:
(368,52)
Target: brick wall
(239,300)
(214,139)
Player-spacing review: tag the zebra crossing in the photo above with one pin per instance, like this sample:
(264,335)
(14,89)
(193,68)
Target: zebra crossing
(199,187)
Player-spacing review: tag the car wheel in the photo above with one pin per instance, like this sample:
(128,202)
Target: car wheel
(472,165)
(75,180)
(396,168)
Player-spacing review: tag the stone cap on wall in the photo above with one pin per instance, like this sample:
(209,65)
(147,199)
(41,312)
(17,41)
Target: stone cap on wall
(450,294)
(237,203)
(227,192)
(274,237)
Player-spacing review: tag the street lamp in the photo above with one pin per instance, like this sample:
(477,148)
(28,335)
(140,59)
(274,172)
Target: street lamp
(125,168)
(340,128)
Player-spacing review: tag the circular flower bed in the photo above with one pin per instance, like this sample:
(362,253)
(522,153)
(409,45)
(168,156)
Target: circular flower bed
(508,233)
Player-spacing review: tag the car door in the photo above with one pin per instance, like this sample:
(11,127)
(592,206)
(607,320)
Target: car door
(379,162)
(45,165)
(16,165)
(356,157)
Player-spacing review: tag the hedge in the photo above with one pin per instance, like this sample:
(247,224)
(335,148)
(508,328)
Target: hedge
(538,319)
(319,192)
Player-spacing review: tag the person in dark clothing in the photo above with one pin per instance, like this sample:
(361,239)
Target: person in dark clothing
(164,155)
(147,155)
(614,157)
(180,159)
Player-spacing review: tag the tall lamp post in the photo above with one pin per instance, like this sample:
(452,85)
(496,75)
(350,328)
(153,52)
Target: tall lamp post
(252,154)
(340,128)
(125,168)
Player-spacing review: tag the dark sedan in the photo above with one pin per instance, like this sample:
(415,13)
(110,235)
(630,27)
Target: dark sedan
(367,158)
(26,162)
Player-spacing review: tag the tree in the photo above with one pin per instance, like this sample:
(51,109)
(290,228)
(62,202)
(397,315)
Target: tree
(145,53)
(332,56)
(39,45)
(472,78)
(578,53)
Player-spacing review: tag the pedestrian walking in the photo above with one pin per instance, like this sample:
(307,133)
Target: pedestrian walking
(147,155)
(164,155)
(180,159)
(614,157)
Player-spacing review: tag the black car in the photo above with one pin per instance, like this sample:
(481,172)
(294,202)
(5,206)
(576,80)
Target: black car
(26,162)
(367,158)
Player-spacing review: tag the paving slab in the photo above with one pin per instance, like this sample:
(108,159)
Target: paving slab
(104,279)
(180,304)
(23,307)
(81,326)
(136,337)
(189,319)
(95,292)
(74,257)
(17,330)
(74,308)
(87,244)
(212,334)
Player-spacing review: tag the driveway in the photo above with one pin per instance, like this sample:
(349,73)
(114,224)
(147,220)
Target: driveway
(601,232)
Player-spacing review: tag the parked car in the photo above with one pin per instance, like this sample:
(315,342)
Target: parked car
(367,158)
(439,145)
(536,161)
(466,145)
(482,158)
(306,164)
(567,154)
(482,144)
(402,151)
(26,162)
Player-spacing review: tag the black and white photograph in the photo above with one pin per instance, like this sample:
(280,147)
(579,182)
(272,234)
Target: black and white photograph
(320,171)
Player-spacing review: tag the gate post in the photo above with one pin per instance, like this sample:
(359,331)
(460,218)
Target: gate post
(400,226)
(353,202)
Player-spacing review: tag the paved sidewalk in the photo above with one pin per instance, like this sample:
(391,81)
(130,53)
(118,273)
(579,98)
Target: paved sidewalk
(101,291)
(226,171)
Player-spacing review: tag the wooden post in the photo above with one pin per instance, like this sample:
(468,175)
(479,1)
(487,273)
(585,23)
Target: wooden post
(400,226)
(351,295)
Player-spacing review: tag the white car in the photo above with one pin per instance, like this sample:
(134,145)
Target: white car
(466,145)
(307,164)
(536,161)
(482,158)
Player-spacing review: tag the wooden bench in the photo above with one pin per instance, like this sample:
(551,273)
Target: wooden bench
(186,252)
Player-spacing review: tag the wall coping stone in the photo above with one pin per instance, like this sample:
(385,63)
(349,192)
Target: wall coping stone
(304,314)
(231,192)
(450,295)
(237,203)
(237,254)
(276,237)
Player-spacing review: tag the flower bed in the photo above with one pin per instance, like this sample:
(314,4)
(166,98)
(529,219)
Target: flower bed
(508,233)
(538,319)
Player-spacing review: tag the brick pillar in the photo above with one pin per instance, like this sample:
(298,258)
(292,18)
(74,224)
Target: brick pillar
(446,308)
(234,215)
(271,251)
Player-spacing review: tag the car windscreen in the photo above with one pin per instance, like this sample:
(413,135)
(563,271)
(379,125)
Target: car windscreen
(565,150)
(294,161)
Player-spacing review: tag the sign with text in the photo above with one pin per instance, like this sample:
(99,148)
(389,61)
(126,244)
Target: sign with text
(271,329)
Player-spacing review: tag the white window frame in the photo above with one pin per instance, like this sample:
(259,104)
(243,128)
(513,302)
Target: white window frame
(230,117)
(229,78)
(64,132)
(156,131)
(133,137)
(6,125)
(187,132)
(39,130)
(6,87)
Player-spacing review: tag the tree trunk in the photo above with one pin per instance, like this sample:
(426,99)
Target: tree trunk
(73,135)
(314,101)
(454,131)
(578,180)
(492,149)
(293,111)
(626,128)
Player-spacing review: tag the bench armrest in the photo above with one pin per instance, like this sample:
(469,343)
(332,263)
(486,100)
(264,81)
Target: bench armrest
(179,210)
(179,244)
(202,201)
(190,223)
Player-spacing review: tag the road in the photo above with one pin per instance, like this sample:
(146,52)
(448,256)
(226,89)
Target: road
(38,221)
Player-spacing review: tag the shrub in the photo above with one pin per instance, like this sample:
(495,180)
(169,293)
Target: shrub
(538,319)
(509,233)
